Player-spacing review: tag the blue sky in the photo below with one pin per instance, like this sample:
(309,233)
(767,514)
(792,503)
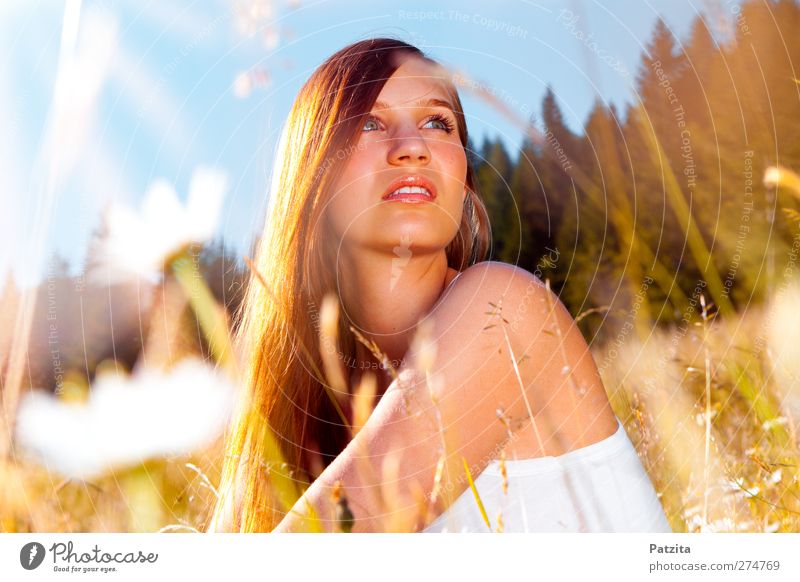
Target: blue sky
(158,94)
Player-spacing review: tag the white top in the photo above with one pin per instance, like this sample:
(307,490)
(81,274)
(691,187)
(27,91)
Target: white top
(599,488)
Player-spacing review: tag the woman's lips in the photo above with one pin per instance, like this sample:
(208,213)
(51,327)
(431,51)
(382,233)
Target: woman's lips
(410,189)
(407,194)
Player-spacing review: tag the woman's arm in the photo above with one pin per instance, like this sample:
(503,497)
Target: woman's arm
(393,470)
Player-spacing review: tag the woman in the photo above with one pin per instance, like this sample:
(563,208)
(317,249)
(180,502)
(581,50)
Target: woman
(374,200)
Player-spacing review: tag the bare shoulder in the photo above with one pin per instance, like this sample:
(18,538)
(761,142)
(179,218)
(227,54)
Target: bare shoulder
(494,273)
(527,342)
(508,290)
(476,349)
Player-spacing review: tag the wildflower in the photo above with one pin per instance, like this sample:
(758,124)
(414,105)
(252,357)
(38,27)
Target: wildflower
(772,177)
(734,485)
(774,422)
(777,176)
(752,492)
(126,420)
(139,243)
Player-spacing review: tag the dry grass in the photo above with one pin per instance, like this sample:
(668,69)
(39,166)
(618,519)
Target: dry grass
(710,405)
(711,408)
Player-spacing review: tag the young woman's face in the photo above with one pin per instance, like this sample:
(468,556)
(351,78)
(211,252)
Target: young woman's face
(409,141)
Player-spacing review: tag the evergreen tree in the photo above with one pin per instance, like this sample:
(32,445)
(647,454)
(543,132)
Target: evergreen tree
(554,125)
(493,182)
(539,216)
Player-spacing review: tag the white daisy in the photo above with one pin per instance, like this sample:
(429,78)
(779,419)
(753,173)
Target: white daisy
(126,420)
(139,242)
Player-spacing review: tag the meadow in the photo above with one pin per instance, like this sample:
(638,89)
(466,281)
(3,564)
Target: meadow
(671,232)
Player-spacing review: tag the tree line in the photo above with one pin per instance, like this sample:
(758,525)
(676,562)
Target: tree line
(669,189)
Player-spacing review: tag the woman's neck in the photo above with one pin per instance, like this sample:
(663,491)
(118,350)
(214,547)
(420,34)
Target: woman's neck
(386,296)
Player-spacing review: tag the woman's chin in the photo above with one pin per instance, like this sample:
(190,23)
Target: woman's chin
(403,217)
(400,242)
(416,231)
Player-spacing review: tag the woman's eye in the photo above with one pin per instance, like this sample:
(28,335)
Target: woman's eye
(371,124)
(440,122)
(443,123)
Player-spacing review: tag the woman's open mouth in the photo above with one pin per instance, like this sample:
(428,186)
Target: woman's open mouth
(411,189)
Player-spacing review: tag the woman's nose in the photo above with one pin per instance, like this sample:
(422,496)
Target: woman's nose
(408,147)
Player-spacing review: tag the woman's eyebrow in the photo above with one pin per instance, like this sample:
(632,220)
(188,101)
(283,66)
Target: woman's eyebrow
(425,103)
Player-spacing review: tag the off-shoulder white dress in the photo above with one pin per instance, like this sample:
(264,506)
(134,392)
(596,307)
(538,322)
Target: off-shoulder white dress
(599,488)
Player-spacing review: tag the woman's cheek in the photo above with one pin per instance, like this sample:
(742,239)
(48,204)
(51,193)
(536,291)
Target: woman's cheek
(455,160)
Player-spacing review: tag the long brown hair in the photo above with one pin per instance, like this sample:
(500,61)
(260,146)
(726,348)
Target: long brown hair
(285,404)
